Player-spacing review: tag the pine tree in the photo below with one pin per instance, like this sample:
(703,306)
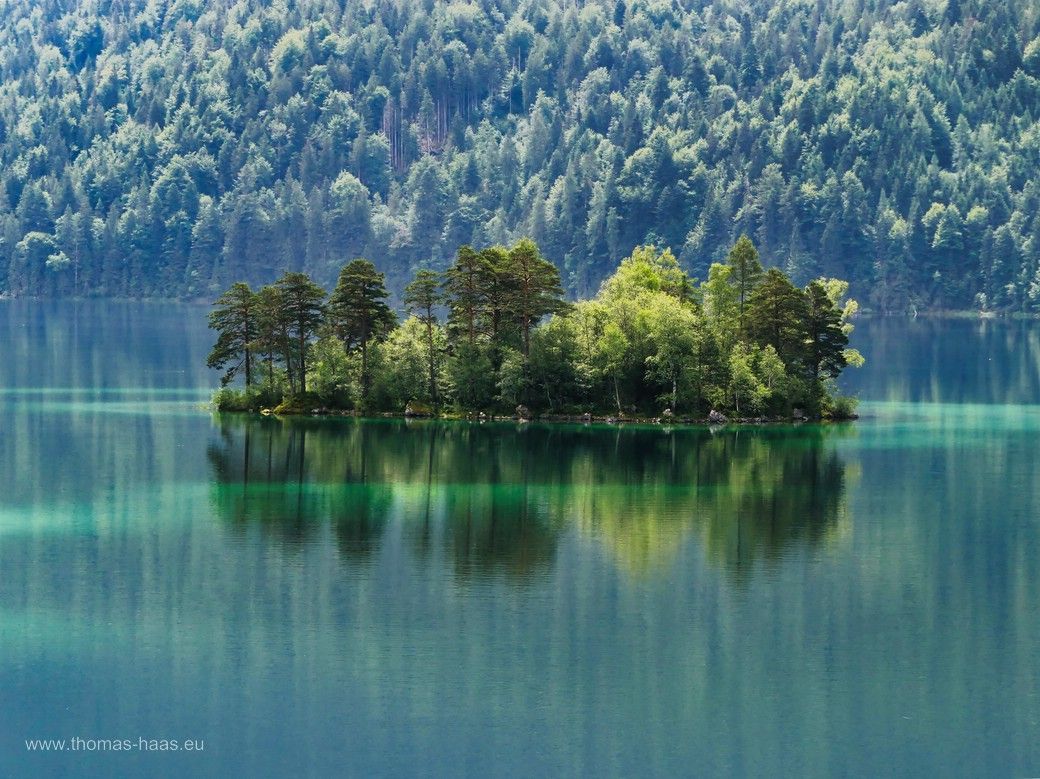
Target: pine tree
(358,312)
(464,287)
(746,271)
(422,296)
(272,341)
(234,317)
(776,315)
(303,309)
(535,288)
(825,341)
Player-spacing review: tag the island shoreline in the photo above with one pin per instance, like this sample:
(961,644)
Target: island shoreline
(549,419)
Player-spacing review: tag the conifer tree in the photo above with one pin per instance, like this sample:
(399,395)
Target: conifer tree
(358,312)
(776,313)
(746,271)
(422,296)
(271,332)
(825,339)
(303,310)
(535,288)
(465,285)
(234,317)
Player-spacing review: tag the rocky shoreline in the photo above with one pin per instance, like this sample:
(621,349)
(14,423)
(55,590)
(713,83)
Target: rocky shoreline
(522,415)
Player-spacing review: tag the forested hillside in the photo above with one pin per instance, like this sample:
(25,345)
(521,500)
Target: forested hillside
(168,148)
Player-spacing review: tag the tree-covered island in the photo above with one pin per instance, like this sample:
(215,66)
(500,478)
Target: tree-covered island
(654,343)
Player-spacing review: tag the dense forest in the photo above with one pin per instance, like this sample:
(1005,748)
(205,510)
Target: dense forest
(652,343)
(158,149)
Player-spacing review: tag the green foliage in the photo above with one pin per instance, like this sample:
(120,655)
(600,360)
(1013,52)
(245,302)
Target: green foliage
(825,339)
(466,285)
(745,272)
(235,317)
(554,369)
(645,343)
(513,379)
(532,286)
(649,269)
(841,407)
(746,388)
(471,376)
(405,364)
(776,315)
(674,331)
(332,375)
(298,136)
(358,313)
(357,308)
(229,399)
(422,296)
(610,356)
(254,398)
(301,312)
(721,302)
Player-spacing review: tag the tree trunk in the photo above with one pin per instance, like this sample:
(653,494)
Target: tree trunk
(290,372)
(248,352)
(433,366)
(364,371)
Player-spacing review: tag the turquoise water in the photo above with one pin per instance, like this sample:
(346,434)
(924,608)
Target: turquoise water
(391,598)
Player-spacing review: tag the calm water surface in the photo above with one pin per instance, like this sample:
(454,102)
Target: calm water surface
(343,598)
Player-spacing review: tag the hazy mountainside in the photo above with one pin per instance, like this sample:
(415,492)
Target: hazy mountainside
(167,148)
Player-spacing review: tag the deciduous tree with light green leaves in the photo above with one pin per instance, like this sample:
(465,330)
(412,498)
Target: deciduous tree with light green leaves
(675,330)
(422,296)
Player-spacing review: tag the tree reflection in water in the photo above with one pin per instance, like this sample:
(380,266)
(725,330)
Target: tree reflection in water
(495,499)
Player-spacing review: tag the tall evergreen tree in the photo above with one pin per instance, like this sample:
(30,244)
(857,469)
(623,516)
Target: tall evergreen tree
(422,296)
(825,341)
(745,273)
(776,314)
(234,317)
(303,310)
(358,312)
(465,285)
(272,339)
(535,288)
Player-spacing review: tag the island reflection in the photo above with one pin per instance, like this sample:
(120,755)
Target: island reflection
(496,499)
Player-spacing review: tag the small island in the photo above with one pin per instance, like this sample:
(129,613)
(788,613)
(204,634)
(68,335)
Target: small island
(654,344)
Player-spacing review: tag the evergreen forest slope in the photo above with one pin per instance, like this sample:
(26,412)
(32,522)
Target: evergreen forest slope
(166,149)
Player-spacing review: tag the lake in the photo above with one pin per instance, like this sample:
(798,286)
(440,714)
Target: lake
(388,598)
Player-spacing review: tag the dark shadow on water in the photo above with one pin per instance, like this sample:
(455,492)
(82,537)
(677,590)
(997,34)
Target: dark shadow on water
(495,499)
